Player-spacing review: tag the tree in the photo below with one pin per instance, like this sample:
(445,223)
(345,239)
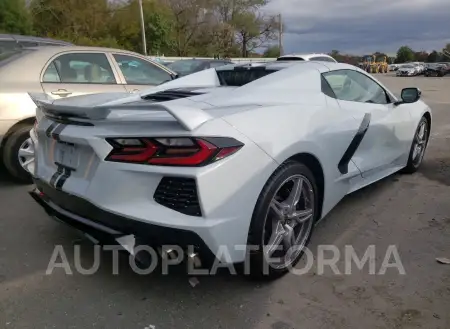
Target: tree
(189,16)
(421,56)
(71,20)
(126,28)
(334,53)
(433,57)
(405,54)
(446,51)
(272,52)
(14,17)
(253,30)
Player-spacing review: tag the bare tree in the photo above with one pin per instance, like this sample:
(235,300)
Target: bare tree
(189,17)
(253,29)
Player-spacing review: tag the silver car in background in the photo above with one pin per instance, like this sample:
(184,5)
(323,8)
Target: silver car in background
(408,70)
(61,72)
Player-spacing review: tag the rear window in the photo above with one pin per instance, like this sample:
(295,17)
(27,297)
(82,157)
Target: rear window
(184,67)
(290,58)
(241,76)
(11,55)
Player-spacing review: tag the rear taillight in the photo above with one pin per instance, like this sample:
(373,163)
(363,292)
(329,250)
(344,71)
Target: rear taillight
(178,151)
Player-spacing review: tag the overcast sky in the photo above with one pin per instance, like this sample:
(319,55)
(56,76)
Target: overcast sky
(363,26)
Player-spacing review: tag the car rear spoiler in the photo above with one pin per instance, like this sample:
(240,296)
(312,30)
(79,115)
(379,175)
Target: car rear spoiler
(190,118)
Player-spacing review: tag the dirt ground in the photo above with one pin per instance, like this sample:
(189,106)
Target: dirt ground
(411,213)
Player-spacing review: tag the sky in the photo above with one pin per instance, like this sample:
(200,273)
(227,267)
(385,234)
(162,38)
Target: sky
(362,26)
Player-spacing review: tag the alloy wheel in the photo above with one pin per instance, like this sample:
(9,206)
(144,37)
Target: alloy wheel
(420,143)
(26,155)
(288,221)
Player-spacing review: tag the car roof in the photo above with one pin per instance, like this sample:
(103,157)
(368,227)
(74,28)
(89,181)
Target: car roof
(51,50)
(281,65)
(35,58)
(306,57)
(18,37)
(202,60)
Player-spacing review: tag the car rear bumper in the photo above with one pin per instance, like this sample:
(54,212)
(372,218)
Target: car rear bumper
(107,227)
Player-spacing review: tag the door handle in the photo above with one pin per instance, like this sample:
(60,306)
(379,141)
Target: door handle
(61,92)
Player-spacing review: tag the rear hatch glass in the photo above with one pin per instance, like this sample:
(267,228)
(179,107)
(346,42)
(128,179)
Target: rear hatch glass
(290,58)
(241,76)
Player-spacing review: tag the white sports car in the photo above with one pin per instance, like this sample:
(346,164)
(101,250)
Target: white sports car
(240,155)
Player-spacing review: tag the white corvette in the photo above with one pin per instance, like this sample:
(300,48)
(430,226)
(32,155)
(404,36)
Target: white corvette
(239,155)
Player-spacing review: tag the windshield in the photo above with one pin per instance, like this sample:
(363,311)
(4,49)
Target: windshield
(185,67)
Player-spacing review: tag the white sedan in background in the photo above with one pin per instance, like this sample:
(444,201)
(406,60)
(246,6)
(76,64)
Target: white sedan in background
(61,72)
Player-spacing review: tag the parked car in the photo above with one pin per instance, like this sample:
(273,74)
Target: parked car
(188,66)
(408,70)
(307,57)
(393,67)
(12,41)
(223,158)
(437,70)
(61,72)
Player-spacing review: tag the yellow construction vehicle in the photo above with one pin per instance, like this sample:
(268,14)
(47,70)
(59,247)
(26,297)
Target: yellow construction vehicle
(367,63)
(382,64)
(374,64)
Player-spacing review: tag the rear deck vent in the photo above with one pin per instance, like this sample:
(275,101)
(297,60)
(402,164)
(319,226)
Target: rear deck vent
(169,95)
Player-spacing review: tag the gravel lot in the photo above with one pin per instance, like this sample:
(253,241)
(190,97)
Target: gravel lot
(410,212)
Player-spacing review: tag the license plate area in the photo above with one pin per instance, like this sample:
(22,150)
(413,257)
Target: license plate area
(67,155)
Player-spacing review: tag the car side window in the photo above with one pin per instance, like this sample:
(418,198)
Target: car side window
(353,86)
(83,68)
(140,72)
(51,74)
(326,89)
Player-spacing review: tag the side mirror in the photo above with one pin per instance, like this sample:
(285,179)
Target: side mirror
(409,95)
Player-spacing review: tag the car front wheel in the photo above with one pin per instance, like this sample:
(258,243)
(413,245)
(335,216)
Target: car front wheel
(18,154)
(418,147)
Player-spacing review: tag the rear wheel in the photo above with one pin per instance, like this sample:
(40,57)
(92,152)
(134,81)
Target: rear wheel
(418,147)
(18,153)
(283,221)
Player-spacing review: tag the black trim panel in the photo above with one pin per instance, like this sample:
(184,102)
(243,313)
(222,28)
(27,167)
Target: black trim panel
(87,217)
(57,131)
(350,152)
(50,128)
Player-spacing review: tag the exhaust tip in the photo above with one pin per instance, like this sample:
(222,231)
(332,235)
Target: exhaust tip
(168,253)
(194,257)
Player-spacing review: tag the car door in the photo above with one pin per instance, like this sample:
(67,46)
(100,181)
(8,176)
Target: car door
(383,137)
(77,73)
(139,73)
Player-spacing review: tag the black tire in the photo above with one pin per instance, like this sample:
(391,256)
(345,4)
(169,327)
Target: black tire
(259,268)
(10,154)
(412,166)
